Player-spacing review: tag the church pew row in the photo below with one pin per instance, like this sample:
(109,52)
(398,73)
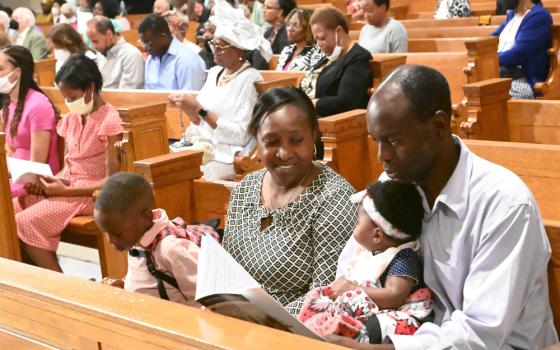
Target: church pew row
(145,136)
(442,32)
(535,164)
(492,115)
(42,309)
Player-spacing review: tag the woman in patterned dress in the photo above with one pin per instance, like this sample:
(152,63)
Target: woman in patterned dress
(89,130)
(288,222)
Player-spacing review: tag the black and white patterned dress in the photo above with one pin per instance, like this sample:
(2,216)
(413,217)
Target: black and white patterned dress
(299,250)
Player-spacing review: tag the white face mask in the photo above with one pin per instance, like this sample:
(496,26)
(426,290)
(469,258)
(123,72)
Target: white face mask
(61,55)
(80,106)
(337,51)
(55,11)
(6,86)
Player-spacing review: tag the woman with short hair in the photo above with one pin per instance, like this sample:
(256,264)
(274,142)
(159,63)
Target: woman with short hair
(287,223)
(340,81)
(302,54)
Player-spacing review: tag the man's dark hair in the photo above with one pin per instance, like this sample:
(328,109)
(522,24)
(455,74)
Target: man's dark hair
(155,24)
(387,3)
(111,8)
(425,88)
(286,6)
(78,72)
(399,203)
(275,99)
(123,191)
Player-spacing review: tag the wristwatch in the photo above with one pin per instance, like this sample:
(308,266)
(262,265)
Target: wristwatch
(202,113)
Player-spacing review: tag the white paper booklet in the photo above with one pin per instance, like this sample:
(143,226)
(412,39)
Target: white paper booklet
(26,171)
(224,286)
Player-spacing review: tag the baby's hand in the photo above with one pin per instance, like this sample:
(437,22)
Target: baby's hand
(113,282)
(340,286)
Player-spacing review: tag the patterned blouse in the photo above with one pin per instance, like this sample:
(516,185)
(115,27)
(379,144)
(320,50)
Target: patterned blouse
(299,250)
(306,59)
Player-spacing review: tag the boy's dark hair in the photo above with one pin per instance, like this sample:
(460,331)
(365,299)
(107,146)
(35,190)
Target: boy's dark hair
(122,191)
(78,72)
(399,203)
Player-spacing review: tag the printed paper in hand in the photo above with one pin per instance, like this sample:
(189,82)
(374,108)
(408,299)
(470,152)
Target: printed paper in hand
(25,171)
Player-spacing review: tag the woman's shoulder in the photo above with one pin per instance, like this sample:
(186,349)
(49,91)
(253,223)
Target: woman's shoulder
(539,13)
(252,74)
(332,183)
(357,53)
(36,98)
(250,184)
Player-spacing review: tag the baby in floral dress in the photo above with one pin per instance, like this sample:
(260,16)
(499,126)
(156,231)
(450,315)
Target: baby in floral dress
(382,292)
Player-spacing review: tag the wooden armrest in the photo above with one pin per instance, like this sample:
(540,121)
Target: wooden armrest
(262,86)
(485,20)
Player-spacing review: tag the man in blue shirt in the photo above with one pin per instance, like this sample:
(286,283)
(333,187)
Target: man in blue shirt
(170,65)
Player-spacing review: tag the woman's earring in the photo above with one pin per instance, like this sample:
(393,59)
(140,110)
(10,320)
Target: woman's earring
(314,150)
(240,58)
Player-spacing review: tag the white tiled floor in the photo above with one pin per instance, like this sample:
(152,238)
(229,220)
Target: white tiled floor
(79,261)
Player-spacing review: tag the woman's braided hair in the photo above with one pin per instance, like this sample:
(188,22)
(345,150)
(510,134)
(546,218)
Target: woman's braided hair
(21,58)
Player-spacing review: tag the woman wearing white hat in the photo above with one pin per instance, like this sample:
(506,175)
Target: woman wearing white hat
(219,115)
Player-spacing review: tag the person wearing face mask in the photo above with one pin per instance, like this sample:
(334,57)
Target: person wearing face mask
(121,63)
(339,82)
(28,115)
(68,16)
(45,17)
(26,34)
(66,42)
(525,37)
(90,130)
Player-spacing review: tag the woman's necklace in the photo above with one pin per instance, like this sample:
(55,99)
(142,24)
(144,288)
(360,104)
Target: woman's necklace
(292,192)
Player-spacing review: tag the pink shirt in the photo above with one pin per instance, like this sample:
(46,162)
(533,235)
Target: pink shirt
(173,256)
(38,114)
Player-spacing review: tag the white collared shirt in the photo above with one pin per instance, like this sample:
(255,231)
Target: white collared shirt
(20,38)
(485,254)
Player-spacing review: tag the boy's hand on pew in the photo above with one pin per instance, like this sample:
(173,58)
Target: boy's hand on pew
(113,282)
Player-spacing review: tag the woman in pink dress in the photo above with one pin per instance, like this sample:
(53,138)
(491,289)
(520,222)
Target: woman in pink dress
(28,116)
(90,130)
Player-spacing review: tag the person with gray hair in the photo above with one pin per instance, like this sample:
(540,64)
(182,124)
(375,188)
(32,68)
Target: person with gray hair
(121,63)
(161,6)
(27,36)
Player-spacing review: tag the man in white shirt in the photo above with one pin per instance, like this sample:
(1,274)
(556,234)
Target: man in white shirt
(121,63)
(483,243)
(381,34)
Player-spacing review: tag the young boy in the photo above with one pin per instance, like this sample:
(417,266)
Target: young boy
(125,210)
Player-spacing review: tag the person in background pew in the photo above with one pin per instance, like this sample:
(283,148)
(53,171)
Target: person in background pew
(302,54)
(178,26)
(161,6)
(26,34)
(121,63)
(125,210)
(68,16)
(4,26)
(111,9)
(90,131)
(83,14)
(28,115)
(483,242)
(383,291)
(275,13)
(67,42)
(525,37)
(452,9)
(45,17)
(340,81)
(287,223)
(170,65)
(220,113)
(382,34)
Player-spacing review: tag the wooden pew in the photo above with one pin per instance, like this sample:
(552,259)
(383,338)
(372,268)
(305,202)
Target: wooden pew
(45,71)
(42,309)
(442,32)
(492,115)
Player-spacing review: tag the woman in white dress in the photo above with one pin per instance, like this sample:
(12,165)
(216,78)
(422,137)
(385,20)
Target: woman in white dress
(219,115)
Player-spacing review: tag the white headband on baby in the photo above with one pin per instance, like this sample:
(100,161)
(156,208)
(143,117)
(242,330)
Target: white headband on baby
(376,217)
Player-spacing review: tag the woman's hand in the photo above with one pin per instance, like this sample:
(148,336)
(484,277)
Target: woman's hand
(340,286)
(187,103)
(34,188)
(53,186)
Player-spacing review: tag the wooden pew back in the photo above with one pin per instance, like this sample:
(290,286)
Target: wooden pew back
(45,72)
(42,309)
(9,243)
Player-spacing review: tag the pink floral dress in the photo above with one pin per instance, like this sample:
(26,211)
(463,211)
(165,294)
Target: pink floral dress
(347,314)
(41,220)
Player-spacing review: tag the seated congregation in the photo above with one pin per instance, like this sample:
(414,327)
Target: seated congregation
(341,177)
